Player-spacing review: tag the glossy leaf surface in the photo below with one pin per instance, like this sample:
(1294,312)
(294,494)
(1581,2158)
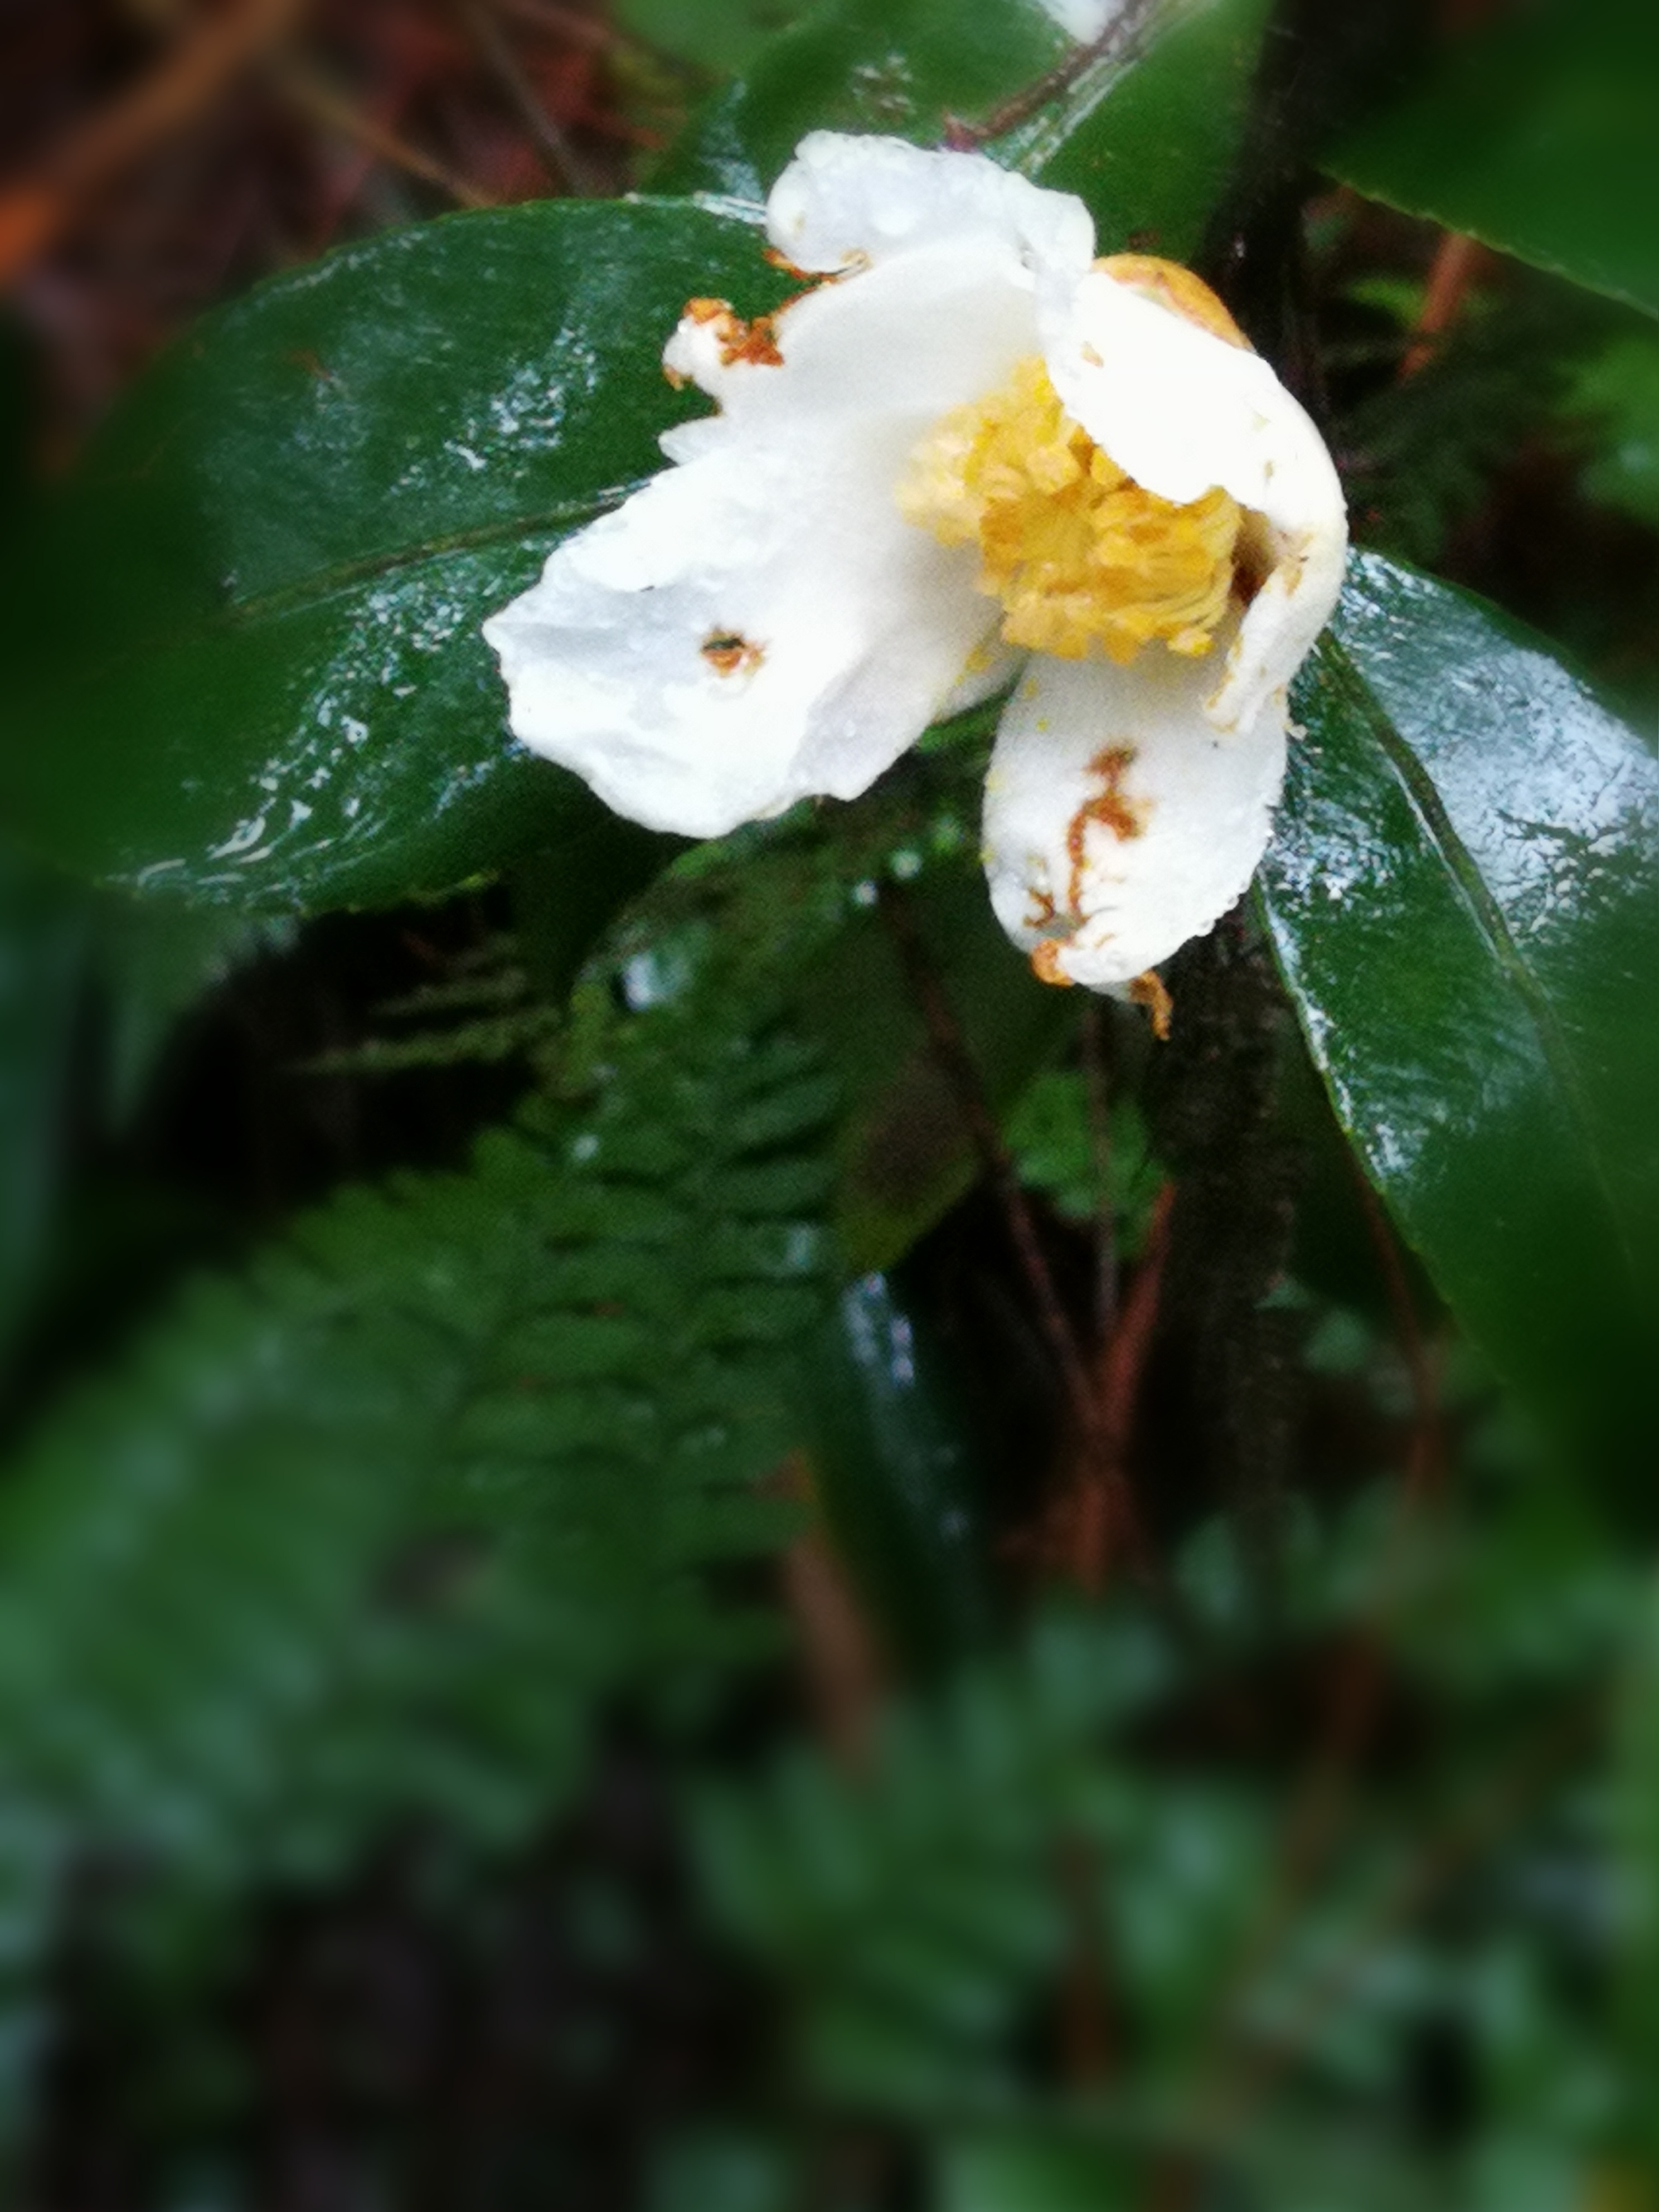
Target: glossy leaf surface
(1463,896)
(711,34)
(897,1473)
(904,67)
(1536,136)
(1149,144)
(1147,139)
(245,662)
(904,1150)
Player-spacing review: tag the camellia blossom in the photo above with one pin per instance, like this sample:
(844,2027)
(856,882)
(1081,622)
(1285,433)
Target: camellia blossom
(969,457)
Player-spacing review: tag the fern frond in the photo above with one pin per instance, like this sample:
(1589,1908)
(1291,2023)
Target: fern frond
(366,1535)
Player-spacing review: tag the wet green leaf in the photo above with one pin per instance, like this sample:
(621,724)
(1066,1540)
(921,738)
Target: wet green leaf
(1149,144)
(1146,135)
(904,1150)
(243,662)
(1463,895)
(713,34)
(900,66)
(1537,137)
(897,1474)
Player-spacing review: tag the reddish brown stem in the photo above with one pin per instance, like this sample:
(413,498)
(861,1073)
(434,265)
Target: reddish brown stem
(1105,1520)
(217,47)
(842,1665)
(563,164)
(1119,40)
(952,1050)
(1455,269)
(1424,1458)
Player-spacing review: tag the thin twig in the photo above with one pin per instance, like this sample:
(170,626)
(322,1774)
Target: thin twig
(842,1664)
(1103,1515)
(952,1050)
(1222,2112)
(311,92)
(1118,41)
(1315,1816)
(35,211)
(1457,262)
(574,25)
(1098,1091)
(1441,1858)
(599,35)
(1088,2044)
(1425,1458)
(559,157)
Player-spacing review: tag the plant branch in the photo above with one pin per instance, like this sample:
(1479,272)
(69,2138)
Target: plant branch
(956,1059)
(1118,41)
(564,166)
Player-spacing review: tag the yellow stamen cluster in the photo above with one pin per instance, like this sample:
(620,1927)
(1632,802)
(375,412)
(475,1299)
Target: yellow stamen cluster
(1076,551)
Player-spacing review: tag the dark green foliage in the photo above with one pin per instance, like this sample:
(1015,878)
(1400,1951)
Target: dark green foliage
(1054,1830)
(1613,397)
(365,1539)
(242,657)
(1461,883)
(1535,134)
(1077,1168)
(920,1916)
(1421,450)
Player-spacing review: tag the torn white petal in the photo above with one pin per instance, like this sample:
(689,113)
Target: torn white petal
(1117,824)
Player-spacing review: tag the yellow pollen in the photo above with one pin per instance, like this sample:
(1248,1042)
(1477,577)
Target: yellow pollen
(1076,551)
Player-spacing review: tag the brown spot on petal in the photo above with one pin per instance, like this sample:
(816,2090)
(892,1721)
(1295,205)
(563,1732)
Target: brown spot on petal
(728,652)
(1112,807)
(1148,990)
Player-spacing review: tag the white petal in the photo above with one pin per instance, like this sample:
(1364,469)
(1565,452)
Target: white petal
(1117,823)
(1182,411)
(844,201)
(854,627)
(779,527)
(914,336)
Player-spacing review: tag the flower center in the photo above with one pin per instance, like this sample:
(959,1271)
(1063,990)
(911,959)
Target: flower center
(1076,551)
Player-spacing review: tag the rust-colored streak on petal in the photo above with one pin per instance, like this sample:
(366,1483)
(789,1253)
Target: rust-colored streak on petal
(1045,963)
(1148,990)
(1177,290)
(728,652)
(754,342)
(1112,807)
(1043,910)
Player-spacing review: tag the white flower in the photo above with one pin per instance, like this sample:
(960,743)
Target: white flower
(969,456)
